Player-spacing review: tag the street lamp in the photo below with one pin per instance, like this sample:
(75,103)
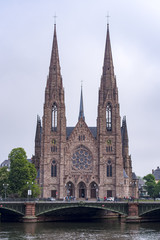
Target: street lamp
(29,189)
(96,187)
(5,185)
(41,185)
(68,186)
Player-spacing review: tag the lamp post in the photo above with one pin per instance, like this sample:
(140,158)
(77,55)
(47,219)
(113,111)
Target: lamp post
(5,185)
(97,190)
(97,193)
(41,186)
(68,186)
(29,194)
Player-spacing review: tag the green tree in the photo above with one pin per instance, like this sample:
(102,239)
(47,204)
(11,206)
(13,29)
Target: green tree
(4,175)
(150,184)
(149,178)
(157,190)
(21,173)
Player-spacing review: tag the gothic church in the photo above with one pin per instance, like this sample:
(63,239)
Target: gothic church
(81,161)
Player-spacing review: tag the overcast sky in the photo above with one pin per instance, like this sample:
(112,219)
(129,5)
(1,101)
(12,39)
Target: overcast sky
(26,34)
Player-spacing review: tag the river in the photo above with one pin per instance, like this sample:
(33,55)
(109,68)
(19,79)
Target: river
(97,230)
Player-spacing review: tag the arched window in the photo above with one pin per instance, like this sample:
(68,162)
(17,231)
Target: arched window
(53,169)
(54,117)
(109,168)
(109,117)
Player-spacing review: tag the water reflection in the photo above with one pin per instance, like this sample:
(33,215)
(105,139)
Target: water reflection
(106,229)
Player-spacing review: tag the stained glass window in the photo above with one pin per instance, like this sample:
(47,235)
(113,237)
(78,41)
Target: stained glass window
(81,159)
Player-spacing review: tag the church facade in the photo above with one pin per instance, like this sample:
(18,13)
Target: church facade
(82,161)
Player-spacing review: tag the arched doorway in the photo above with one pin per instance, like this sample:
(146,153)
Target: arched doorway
(82,190)
(94,190)
(70,189)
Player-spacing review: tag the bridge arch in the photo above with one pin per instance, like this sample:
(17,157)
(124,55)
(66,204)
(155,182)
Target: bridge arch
(148,209)
(73,207)
(11,211)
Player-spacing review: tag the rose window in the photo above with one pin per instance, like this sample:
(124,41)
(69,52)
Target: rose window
(82,159)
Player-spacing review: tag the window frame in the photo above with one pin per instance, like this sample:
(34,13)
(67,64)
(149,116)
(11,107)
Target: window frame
(109,117)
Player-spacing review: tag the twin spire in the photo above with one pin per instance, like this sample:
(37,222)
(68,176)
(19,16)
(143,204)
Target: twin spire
(55,79)
(108,69)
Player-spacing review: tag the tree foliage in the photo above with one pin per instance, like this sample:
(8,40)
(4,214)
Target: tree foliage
(157,190)
(22,174)
(149,178)
(4,175)
(152,187)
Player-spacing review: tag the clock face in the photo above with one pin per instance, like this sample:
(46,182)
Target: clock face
(81,159)
(109,142)
(53,141)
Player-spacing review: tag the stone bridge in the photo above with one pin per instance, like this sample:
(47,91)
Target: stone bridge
(33,211)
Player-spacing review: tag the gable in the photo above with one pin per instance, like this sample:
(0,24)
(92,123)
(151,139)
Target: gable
(93,130)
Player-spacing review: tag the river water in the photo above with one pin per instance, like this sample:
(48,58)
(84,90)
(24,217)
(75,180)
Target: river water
(98,230)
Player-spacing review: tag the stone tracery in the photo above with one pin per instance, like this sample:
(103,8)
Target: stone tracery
(82,159)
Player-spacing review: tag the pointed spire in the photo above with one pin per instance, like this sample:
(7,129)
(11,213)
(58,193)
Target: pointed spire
(124,132)
(38,131)
(81,110)
(108,69)
(54,69)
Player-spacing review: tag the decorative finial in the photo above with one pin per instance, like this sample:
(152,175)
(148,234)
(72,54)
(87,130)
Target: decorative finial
(107,18)
(81,83)
(55,18)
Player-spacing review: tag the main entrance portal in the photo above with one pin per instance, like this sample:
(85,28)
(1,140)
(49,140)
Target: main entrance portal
(82,190)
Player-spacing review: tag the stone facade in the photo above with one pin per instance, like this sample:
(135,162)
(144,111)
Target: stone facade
(82,161)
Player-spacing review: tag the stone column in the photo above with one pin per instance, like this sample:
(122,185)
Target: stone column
(133,213)
(30,212)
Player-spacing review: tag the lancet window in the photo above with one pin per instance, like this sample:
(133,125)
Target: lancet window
(53,169)
(109,168)
(54,117)
(109,117)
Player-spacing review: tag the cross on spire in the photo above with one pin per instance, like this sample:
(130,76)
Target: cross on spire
(107,17)
(55,16)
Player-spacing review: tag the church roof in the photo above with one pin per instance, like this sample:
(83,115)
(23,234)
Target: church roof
(69,131)
(125,174)
(5,163)
(156,173)
(92,129)
(134,177)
